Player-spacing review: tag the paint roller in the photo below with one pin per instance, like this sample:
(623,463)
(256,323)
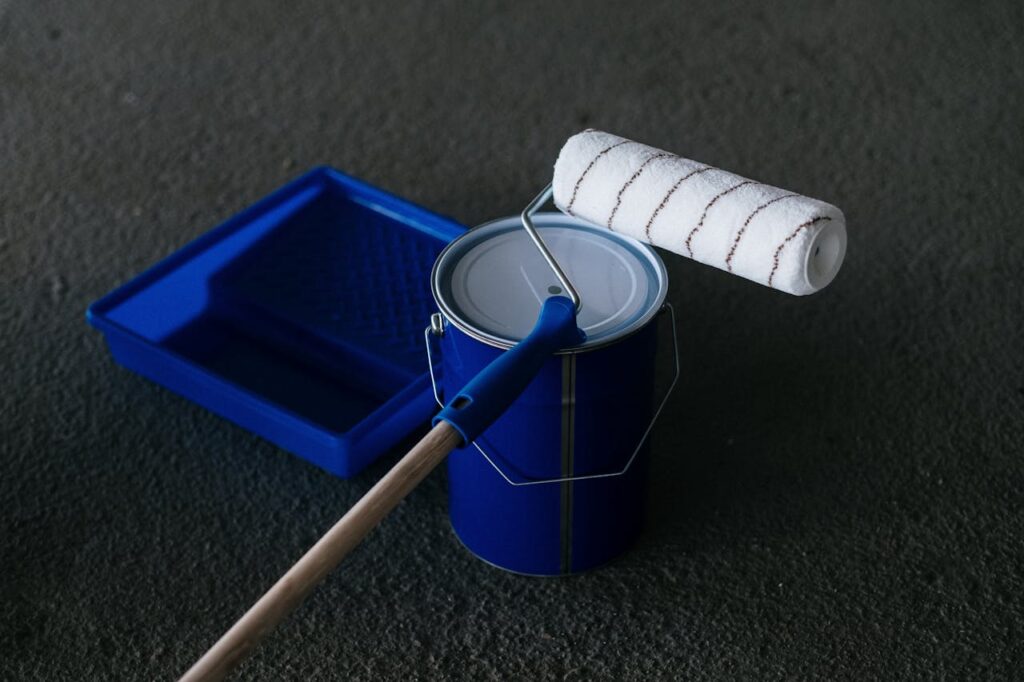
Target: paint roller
(768,235)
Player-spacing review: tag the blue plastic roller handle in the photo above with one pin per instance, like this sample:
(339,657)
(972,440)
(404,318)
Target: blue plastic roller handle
(495,388)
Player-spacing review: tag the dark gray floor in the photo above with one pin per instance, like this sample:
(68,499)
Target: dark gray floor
(838,483)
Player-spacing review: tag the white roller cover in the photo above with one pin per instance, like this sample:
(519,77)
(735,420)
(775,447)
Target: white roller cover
(774,237)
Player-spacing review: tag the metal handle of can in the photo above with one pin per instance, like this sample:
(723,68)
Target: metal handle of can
(527,218)
(437,328)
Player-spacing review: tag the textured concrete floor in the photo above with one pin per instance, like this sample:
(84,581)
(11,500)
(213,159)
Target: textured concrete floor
(839,480)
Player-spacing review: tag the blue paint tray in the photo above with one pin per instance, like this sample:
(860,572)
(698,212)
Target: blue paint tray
(300,319)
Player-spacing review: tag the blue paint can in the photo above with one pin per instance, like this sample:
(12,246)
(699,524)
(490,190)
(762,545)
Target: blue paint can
(556,485)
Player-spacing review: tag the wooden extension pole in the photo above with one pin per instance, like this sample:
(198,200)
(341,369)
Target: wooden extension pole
(295,585)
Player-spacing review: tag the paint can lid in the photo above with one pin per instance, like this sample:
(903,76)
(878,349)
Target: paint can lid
(492,281)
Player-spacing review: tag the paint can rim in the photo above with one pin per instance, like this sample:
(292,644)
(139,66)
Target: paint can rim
(643,254)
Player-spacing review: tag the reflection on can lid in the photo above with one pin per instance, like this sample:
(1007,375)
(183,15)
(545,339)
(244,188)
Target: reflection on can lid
(492,281)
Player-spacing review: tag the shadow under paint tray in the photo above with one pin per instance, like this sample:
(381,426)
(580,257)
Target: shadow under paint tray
(300,319)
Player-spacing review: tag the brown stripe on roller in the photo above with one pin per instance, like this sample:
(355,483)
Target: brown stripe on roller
(618,199)
(576,188)
(647,228)
(739,235)
(778,251)
(700,223)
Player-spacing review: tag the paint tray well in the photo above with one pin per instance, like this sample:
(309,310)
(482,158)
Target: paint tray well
(300,319)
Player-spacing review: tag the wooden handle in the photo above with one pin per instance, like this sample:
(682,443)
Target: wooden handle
(325,555)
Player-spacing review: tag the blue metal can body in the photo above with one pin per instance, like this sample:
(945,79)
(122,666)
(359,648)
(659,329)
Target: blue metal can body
(584,414)
(556,485)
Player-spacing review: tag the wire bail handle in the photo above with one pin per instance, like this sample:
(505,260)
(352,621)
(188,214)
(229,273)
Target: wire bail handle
(436,329)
